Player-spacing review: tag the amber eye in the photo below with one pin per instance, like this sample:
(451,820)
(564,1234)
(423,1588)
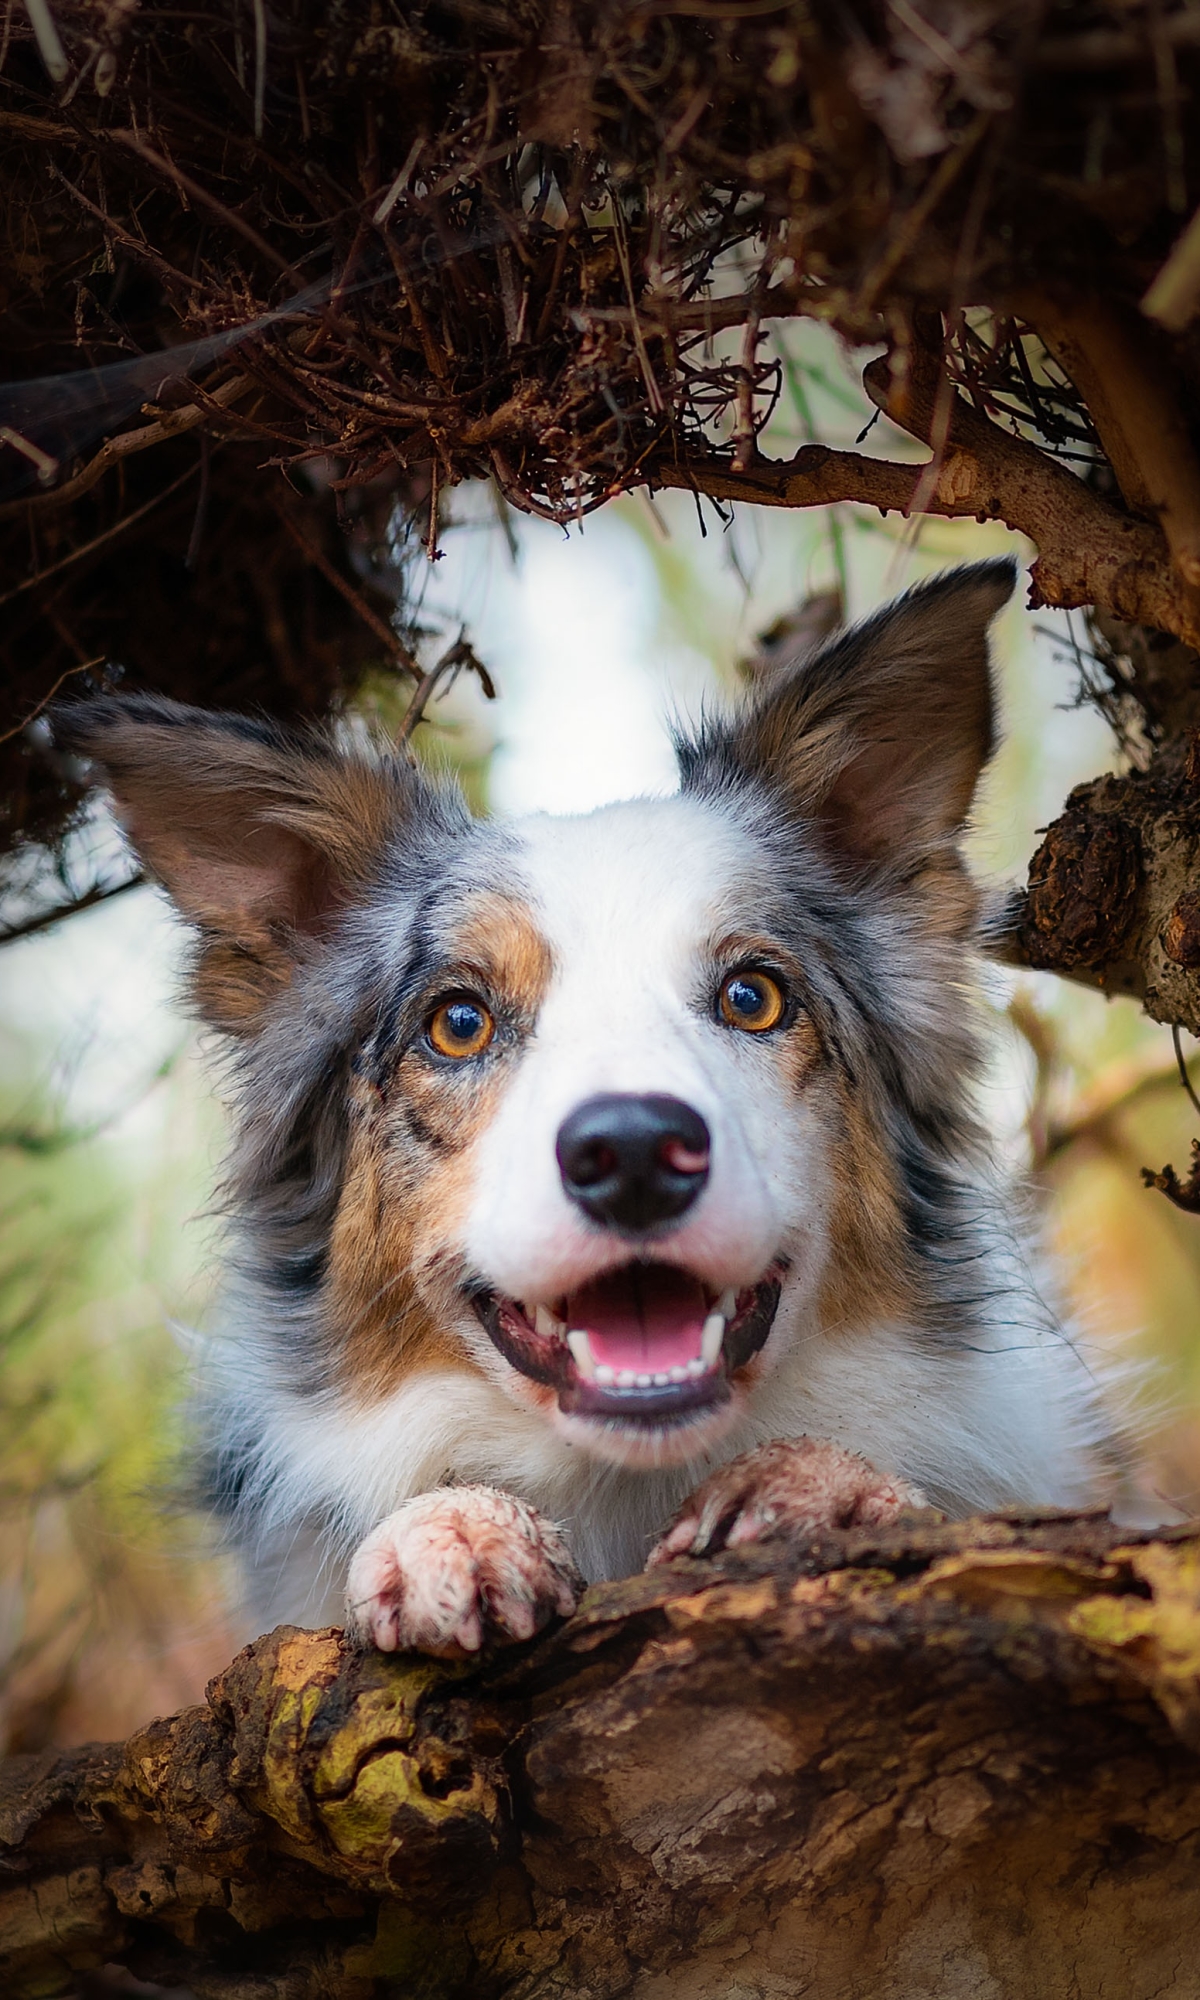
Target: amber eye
(460,1027)
(753,1001)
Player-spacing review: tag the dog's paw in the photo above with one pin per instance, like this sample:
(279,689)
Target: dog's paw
(454,1567)
(791,1487)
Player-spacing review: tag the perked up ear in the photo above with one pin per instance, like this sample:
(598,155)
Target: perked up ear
(879,738)
(259,834)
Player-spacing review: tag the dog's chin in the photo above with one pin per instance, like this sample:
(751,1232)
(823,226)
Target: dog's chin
(645,1363)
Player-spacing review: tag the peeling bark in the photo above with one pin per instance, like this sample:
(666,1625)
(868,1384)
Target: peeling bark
(941,1758)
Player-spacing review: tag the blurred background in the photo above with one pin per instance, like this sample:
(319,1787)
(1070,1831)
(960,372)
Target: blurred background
(111,1597)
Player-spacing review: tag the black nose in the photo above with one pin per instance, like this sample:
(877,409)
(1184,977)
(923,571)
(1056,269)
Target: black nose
(631,1162)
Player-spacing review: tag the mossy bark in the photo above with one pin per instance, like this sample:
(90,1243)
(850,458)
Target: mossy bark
(951,1760)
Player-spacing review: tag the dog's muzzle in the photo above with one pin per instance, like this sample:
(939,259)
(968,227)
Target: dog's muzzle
(648,1345)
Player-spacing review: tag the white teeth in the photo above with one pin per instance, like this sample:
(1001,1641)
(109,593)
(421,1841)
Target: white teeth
(697,1367)
(711,1338)
(679,1374)
(626,1379)
(661,1381)
(580,1347)
(550,1327)
(643,1381)
(726,1305)
(605,1376)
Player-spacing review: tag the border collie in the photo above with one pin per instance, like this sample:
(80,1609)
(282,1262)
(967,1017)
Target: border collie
(594,1171)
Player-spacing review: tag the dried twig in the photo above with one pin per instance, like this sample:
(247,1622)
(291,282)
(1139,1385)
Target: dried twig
(98,893)
(394,645)
(18,728)
(458,655)
(1183,1194)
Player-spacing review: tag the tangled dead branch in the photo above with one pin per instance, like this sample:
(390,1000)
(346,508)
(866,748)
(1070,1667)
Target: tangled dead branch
(330,261)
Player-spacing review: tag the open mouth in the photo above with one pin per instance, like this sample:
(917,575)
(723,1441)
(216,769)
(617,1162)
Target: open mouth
(645,1344)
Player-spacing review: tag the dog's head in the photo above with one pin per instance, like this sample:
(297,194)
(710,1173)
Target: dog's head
(616,1109)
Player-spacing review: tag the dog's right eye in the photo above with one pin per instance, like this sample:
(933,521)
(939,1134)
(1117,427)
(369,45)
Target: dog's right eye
(752,1001)
(460,1027)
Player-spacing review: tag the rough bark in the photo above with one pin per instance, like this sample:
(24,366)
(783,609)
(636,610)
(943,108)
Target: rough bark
(941,1759)
(1111,898)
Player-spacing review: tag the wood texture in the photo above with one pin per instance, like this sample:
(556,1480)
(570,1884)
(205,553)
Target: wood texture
(938,1760)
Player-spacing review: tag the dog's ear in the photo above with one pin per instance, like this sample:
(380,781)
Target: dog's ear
(880,737)
(259,834)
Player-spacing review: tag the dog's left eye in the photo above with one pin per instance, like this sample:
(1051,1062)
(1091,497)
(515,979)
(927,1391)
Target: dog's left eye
(460,1027)
(752,1001)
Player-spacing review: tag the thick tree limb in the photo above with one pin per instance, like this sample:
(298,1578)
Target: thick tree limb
(1088,551)
(1125,376)
(1111,898)
(819,1771)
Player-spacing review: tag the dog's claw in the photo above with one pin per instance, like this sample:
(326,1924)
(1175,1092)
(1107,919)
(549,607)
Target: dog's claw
(455,1567)
(794,1486)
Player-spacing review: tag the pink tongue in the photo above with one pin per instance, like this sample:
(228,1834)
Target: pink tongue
(645,1318)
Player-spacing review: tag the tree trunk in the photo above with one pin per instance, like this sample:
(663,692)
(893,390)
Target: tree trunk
(951,1760)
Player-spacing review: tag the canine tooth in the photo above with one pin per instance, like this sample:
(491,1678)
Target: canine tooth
(661,1379)
(711,1338)
(580,1347)
(726,1305)
(626,1379)
(605,1376)
(643,1381)
(550,1327)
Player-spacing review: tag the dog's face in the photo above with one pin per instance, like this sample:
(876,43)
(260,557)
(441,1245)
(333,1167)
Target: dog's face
(617,1110)
(604,1115)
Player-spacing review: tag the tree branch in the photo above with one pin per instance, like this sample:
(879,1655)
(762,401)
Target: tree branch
(1125,376)
(1088,551)
(814,1763)
(171,424)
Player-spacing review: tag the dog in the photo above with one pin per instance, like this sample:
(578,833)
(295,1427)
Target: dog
(605,1187)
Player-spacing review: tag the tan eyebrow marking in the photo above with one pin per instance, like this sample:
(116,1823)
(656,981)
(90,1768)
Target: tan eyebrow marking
(499,935)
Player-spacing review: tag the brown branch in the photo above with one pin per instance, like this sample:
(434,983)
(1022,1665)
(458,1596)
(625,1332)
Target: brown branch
(97,541)
(1104,1108)
(210,201)
(1089,552)
(1111,900)
(459,654)
(1173,299)
(657,312)
(99,893)
(1184,1194)
(395,646)
(171,424)
(68,673)
(716,1776)
(1124,374)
